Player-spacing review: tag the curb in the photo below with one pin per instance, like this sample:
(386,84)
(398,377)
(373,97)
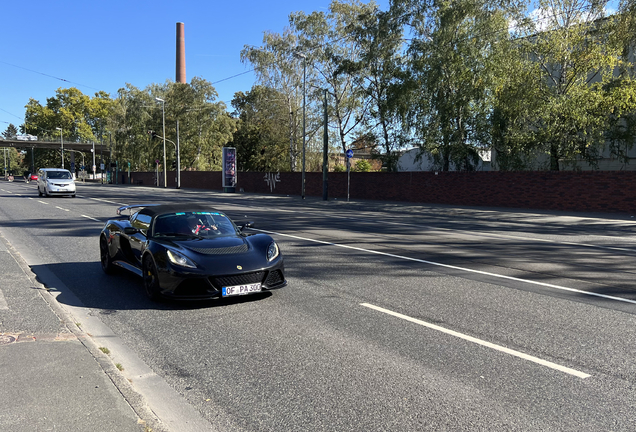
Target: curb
(146,417)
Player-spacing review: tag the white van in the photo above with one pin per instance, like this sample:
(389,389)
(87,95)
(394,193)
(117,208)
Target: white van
(55,181)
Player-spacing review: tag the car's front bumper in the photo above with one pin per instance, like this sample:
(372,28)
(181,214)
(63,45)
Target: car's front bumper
(184,284)
(61,189)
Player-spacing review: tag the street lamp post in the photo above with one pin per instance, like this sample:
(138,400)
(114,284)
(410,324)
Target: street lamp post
(163,112)
(304,57)
(61,144)
(94,166)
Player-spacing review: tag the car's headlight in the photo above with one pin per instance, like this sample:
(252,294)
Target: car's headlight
(179,259)
(272,251)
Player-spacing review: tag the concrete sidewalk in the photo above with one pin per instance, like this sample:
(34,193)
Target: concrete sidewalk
(52,375)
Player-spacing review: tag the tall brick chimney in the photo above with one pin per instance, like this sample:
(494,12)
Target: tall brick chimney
(181,70)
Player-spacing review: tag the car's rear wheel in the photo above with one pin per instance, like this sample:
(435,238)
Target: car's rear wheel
(107,261)
(151,279)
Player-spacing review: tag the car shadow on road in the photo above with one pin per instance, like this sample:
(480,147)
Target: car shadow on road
(84,284)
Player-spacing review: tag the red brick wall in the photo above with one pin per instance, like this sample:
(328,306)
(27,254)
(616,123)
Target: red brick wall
(594,191)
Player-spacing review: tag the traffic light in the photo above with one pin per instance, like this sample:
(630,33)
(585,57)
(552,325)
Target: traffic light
(174,164)
(152,134)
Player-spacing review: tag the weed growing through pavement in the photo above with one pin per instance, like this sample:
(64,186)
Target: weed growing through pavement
(104,350)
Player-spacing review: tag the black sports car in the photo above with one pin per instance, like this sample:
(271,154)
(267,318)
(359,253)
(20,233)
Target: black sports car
(190,252)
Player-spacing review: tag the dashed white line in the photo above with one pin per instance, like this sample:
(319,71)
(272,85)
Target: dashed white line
(91,218)
(558,287)
(106,201)
(61,208)
(3,302)
(43,202)
(519,354)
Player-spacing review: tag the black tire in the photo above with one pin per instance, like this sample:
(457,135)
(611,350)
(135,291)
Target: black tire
(151,279)
(105,258)
(39,192)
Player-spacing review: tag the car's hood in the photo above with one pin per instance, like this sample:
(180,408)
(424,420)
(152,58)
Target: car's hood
(222,245)
(61,181)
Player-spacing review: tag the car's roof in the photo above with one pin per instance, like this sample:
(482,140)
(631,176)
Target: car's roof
(176,208)
(53,169)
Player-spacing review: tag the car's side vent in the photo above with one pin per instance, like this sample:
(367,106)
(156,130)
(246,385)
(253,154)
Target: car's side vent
(274,278)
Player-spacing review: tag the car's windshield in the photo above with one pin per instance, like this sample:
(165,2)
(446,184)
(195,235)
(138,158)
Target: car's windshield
(199,224)
(59,175)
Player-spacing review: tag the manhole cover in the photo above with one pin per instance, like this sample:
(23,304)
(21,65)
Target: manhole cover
(5,339)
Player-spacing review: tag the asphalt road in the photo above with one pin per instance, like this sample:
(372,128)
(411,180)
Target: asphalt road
(396,317)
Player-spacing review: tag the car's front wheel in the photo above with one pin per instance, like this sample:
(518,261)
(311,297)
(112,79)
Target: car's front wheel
(151,279)
(107,261)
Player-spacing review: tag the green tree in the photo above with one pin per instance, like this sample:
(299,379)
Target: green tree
(324,39)
(563,97)
(79,117)
(381,75)
(10,132)
(261,136)
(452,74)
(131,121)
(277,67)
(362,165)
(204,125)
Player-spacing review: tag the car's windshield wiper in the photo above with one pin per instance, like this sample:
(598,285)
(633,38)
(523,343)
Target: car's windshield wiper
(175,234)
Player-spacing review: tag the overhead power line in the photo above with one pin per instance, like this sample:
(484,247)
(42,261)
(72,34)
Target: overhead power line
(50,76)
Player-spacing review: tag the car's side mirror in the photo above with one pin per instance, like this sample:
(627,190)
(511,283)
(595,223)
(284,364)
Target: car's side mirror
(130,231)
(246,225)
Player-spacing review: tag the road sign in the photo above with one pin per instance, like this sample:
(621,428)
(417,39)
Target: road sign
(72,166)
(349,153)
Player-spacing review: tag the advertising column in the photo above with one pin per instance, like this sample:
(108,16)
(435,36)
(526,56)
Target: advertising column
(229,169)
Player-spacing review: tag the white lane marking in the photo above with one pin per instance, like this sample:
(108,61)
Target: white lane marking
(43,202)
(106,201)
(91,218)
(481,342)
(3,302)
(61,208)
(490,235)
(528,281)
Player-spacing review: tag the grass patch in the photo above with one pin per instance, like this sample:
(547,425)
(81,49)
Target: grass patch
(104,350)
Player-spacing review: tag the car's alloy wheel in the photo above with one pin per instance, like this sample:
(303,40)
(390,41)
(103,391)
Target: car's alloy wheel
(107,261)
(151,279)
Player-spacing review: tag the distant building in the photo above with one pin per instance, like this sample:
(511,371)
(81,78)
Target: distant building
(409,161)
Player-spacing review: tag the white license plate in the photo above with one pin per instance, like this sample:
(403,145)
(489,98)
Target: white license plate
(241,289)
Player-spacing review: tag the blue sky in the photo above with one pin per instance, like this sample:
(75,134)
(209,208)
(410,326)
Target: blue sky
(102,45)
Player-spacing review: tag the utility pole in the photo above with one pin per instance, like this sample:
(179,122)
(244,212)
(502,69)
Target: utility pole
(178,159)
(325,156)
